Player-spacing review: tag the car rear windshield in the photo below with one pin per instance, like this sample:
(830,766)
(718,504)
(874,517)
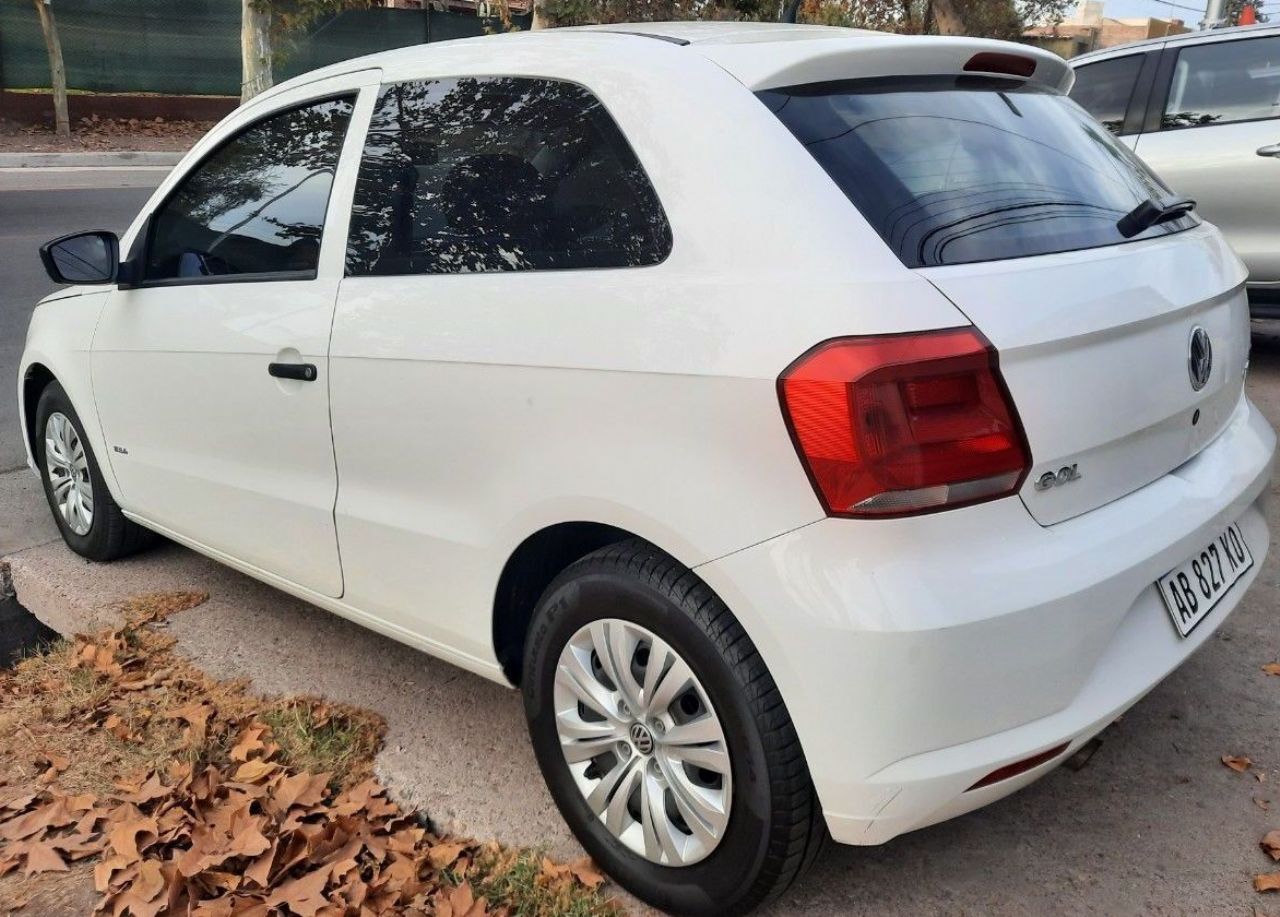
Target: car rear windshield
(951,170)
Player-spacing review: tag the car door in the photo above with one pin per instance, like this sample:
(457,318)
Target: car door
(1217,140)
(210,367)
(488,212)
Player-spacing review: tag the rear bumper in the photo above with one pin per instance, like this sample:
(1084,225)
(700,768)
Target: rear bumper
(918,655)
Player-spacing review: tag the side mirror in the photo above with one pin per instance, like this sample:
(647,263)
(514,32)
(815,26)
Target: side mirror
(82,257)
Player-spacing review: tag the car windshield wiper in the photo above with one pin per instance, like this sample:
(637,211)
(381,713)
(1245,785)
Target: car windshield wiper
(1152,213)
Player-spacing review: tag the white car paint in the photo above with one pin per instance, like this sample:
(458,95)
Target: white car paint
(471,411)
(1071,351)
(211,441)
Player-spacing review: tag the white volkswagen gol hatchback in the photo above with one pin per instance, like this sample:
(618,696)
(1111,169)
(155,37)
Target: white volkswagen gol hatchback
(827,431)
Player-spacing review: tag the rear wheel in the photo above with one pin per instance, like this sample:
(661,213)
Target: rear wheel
(91,522)
(663,737)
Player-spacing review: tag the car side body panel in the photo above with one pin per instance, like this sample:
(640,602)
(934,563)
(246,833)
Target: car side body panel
(471,410)
(1218,166)
(60,338)
(205,442)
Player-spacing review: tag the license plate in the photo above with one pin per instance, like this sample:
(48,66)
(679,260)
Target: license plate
(1192,589)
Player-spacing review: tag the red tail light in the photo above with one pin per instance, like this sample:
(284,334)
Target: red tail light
(900,424)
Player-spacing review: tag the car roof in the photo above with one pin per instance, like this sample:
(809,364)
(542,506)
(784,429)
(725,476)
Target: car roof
(723,33)
(761,55)
(1228,34)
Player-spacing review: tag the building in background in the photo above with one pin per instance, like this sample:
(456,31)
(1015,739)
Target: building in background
(1088,30)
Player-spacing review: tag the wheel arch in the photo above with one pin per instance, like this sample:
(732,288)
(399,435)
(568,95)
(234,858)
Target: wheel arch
(38,371)
(35,379)
(535,562)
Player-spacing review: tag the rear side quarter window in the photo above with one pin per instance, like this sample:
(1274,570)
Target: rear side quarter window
(955,170)
(483,174)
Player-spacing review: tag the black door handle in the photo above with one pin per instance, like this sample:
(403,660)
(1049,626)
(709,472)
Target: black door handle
(303,372)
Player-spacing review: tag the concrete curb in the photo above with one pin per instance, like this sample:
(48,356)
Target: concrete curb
(65,610)
(116,160)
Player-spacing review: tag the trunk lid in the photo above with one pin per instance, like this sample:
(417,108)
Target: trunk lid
(1095,348)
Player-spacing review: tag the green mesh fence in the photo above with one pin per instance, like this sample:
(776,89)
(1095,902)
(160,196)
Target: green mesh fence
(192,47)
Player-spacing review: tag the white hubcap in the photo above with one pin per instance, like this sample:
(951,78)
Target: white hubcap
(68,470)
(643,743)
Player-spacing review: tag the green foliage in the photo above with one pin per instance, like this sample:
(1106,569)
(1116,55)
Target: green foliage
(289,17)
(988,18)
(583,12)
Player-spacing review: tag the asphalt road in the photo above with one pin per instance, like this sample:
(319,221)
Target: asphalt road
(1153,825)
(21,633)
(36,206)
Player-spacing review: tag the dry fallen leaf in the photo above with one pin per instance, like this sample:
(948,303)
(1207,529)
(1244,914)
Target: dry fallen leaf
(1267,882)
(104,872)
(460,901)
(246,835)
(1271,844)
(305,895)
(41,857)
(53,763)
(1263,804)
(585,871)
(442,856)
(250,742)
(144,896)
(129,838)
(1272,668)
(115,725)
(253,771)
(197,718)
(1238,764)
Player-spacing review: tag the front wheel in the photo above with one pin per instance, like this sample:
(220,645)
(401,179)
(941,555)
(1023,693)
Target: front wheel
(663,738)
(91,522)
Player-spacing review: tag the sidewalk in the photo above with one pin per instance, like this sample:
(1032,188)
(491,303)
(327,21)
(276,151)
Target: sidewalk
(79,160)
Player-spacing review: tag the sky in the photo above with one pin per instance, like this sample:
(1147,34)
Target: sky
(1130,9)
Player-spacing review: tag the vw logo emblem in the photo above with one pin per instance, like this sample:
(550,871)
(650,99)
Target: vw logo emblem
(641,739)
(1200,362)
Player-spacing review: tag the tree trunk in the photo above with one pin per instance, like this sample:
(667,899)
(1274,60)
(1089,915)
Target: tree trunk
(538,19)
(948,18)
(255,50)
(57,71)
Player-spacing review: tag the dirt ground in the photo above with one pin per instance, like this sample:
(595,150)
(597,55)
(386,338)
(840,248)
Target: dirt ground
(91,135)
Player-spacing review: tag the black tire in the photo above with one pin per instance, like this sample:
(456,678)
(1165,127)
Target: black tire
(110,534)
(775,827)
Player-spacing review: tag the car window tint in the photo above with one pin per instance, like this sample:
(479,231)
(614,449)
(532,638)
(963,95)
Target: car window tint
(1225,82)
(499,174)
(257,205)
(1103,89)
(951,170)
